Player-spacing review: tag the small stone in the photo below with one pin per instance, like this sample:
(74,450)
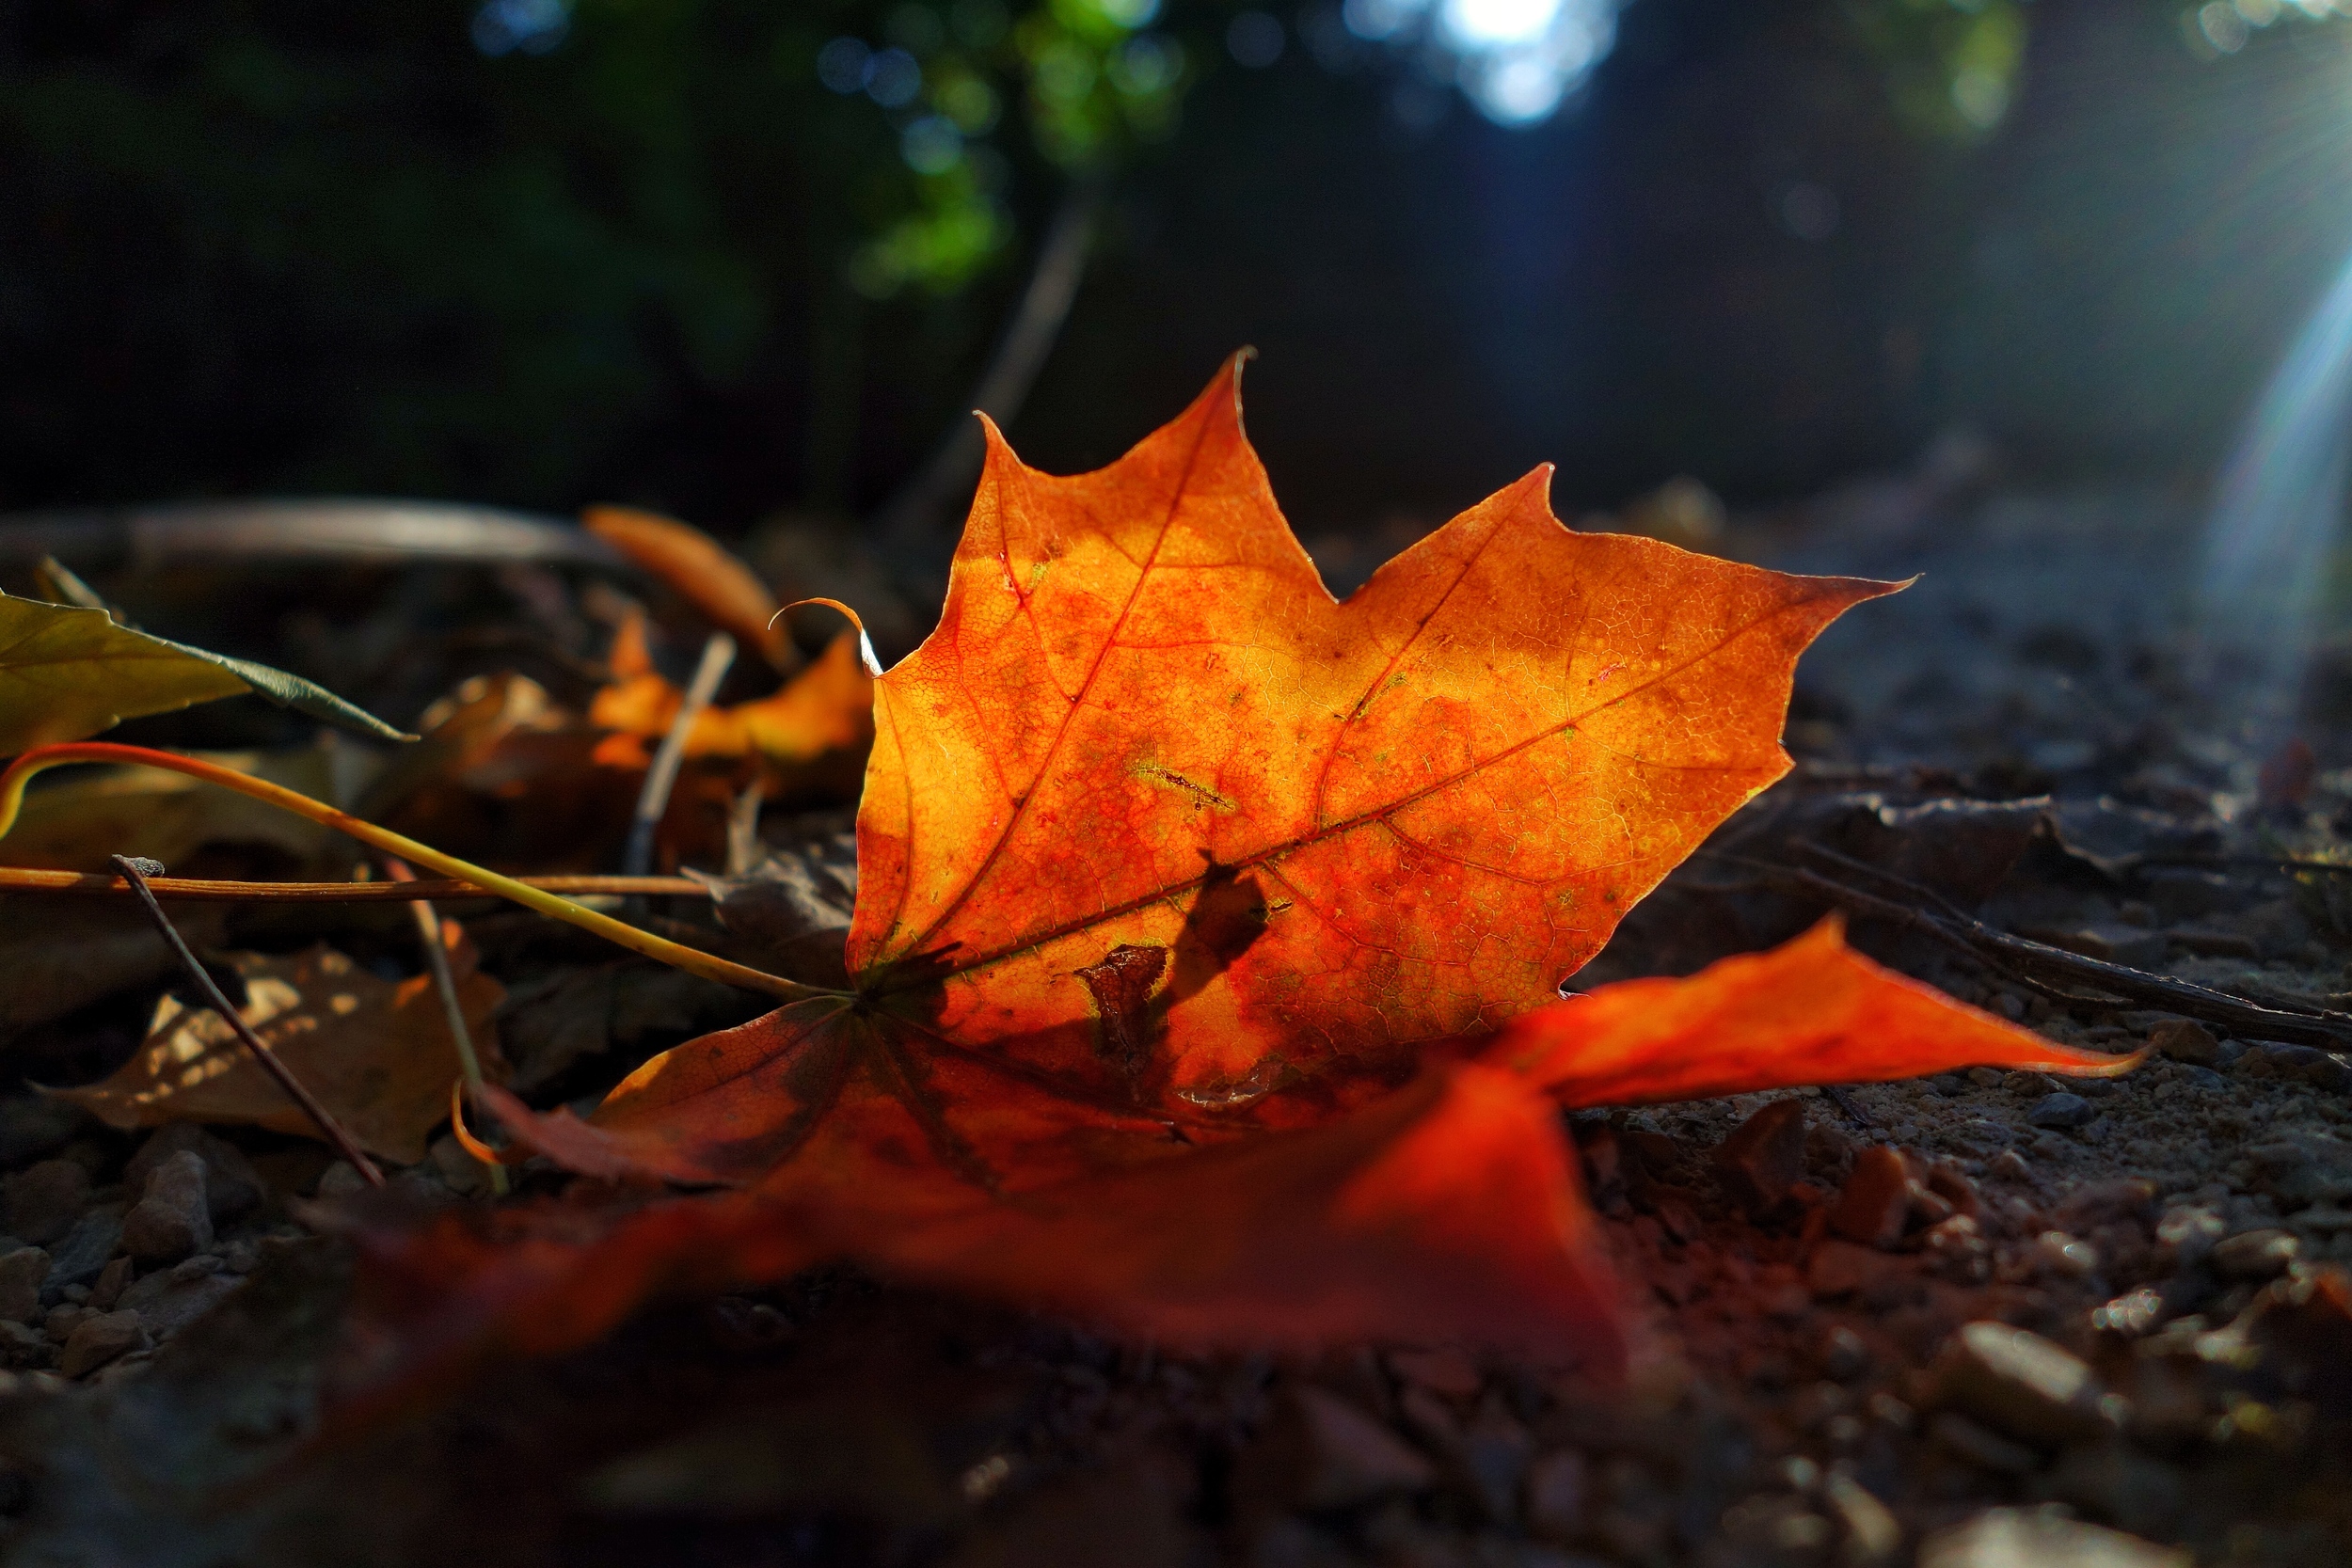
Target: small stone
(1320,1452)
(112,1281)
(60,1322)
(44,1201)
(1843,1269)
(79,1259)
(1965,1440)
(1444,1370)
(1554,1495)
(22,1272)
(2255,1255)
(2188,1234)
(1873,1534)
(2060,1110)
(1985,1077)
(2014,1538)
(2303,1171)
(232,1186)
(1764,1156)
(2185,1039)
(167,1304)
(2066,1256)
(340,1180)
(174,1217)
(1876,1200)
(2010,1165)
(2294,1064)
(1845,1355)
(2024,1384)
(99,1339)
(460,1171)
(23,1345)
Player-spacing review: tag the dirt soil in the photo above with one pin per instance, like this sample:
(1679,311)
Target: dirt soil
(1980,1320)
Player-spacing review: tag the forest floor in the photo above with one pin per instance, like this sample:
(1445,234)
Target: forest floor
(1980,1320)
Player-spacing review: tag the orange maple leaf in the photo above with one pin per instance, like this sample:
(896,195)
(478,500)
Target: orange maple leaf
(1190,901)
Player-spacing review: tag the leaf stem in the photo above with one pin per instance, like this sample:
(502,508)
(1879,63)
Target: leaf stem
(677,955)
(653,799)
(15,878)
(445,982)
(135,872)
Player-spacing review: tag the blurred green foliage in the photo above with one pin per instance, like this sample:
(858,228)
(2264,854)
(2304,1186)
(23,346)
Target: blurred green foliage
(457,246)
(1951,65)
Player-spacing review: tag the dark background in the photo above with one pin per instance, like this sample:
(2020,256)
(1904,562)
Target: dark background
(269,246)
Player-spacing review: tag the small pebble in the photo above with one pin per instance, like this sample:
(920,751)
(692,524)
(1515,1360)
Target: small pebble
(1985,1077)
(99,1339)
(2186,1040)
(2065,1256)
(173,1218)
(2022,1383)
(1874,1204)
(2255,1255)
(1844,1354)
(62,1321)
(112,1280)
(2062,1110)
(1764,1156)
(2018,1538)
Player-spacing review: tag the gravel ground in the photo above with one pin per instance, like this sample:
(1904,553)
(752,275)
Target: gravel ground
(1980,1320)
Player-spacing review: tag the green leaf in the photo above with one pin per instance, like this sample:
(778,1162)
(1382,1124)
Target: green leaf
(66,673)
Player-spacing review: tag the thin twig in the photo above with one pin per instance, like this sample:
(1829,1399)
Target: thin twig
(443,889)
(135,872)
(654,798)
(907,524)
(2250,863)
(2027,958)
(444,981)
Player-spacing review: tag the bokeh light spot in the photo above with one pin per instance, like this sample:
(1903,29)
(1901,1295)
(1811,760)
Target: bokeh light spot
(1485,23)
(525,26)
(893,78)
(841,65)
(1254,39)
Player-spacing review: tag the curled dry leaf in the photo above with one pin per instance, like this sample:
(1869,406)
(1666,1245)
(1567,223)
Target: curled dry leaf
(1186,896)
(704,572)
(829,707)
(378,1054)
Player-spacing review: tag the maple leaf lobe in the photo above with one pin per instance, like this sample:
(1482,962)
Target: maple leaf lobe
(1438,797)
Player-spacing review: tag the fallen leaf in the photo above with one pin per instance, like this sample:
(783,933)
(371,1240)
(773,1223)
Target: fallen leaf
(66,673)
(827,707)
(375,1052)
(58,956)
(704,572)
(1183,892)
